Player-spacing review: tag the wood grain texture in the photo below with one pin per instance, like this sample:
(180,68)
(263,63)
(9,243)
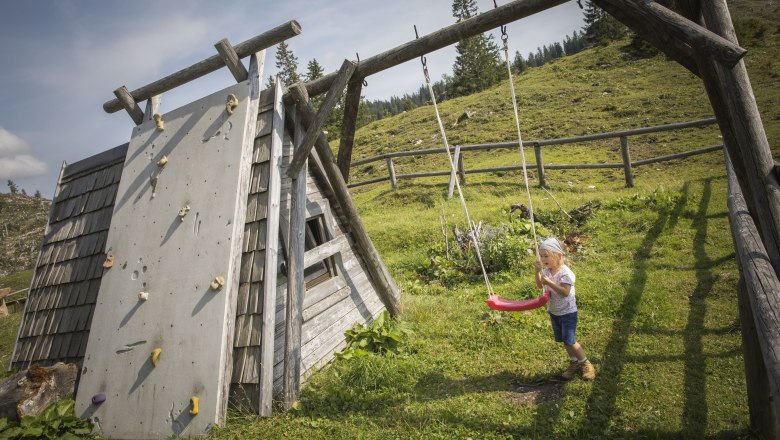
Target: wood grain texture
(349,125)
(229,56)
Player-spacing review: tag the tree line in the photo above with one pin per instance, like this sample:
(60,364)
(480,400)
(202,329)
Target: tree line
(478,64)
(13,188)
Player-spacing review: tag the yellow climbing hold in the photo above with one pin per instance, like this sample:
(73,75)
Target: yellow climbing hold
(163,160)
(156,356)
(160,122)
(232,103)
(194,402)
(218,283)
(109,263)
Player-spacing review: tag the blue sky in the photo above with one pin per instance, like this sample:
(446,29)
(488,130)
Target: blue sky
(62,60)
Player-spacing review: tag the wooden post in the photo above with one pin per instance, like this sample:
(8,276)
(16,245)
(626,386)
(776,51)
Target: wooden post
(271,252)
(129,105)
(391,170)
(315,128)
(385,286)
(453,172)
(348,126)
(734,105)
(246,48)
(762,418)
(539,164)
(152,107)
(229,56)
(461,169)
(295,284)
(626,161)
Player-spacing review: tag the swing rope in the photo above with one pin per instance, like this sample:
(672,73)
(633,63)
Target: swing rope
(472,228)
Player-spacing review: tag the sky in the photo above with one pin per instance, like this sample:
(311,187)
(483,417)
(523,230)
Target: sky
(61,60)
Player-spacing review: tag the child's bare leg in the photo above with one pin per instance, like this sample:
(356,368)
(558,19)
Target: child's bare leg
(575,350)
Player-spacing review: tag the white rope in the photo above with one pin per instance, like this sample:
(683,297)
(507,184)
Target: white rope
(457,183)
(505,39)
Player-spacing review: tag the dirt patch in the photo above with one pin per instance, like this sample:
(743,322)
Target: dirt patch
(526,394)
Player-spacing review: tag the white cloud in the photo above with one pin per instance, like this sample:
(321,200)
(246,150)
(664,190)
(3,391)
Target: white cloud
(14,160)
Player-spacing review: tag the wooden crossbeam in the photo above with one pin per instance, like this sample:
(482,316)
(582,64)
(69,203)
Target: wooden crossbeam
(244,49)
(231,60)
(129,104)
(348,126)
(315,128)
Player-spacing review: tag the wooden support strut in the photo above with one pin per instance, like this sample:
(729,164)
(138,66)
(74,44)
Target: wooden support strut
(231,60)
(385,286)
(132,108)
(348,125)
(315,128)
(244,49)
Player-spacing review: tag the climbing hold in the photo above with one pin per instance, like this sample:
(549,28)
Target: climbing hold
(98,398)
(109,263)
(218,283)
(160,122)
(163,160)
(143,296)
(194,402)
(183,211)
(232,103)
(156,356)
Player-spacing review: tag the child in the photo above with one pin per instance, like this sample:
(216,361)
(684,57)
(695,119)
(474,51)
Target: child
(558,280)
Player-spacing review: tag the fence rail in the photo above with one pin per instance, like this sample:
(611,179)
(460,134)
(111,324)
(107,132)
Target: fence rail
(627,165)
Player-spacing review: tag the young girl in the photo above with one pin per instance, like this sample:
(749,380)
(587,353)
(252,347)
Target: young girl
(558,280)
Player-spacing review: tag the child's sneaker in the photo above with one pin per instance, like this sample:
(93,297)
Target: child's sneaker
(588,371)
(573,370)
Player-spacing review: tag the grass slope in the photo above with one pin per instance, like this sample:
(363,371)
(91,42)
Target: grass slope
(656,279)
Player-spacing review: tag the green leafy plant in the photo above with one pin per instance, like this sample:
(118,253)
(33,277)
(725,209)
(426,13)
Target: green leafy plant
(380,337)
(57,421)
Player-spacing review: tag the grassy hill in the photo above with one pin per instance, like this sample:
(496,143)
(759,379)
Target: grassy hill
(656,271)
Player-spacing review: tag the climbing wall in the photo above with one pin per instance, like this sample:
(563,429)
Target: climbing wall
(157,361)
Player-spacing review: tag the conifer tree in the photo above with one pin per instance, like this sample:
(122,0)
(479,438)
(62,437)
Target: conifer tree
(600,27)
(519,65)
(286,65)
(314,70)
(12,187)
(478,63)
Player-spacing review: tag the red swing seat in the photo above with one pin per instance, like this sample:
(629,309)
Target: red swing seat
(504,305)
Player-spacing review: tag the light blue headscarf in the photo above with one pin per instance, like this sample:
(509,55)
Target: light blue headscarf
(551,244)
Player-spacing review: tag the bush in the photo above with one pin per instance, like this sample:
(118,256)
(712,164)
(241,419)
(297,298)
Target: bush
(380,337)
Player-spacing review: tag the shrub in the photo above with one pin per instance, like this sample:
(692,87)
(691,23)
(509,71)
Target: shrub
(380,337)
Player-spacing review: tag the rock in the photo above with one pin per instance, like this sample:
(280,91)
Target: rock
(466,115)
(27,393)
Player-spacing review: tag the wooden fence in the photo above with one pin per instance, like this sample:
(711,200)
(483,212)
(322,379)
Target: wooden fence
(627,165)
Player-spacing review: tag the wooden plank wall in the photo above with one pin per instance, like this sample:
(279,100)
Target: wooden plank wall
(329,309)
(57,317)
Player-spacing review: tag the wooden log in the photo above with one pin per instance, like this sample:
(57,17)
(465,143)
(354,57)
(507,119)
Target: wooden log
(271,253)
(762,417)
(539,164)
(666,22)
(762,284)
(291,385)
(391,171)
(315,128)
(626,162)
(682,155)
(348,126)
(152,107)
(229,56)
(385,286)
(127,102)
(733,103)
(453,172)
(368,182)
(246,48)
(483,22)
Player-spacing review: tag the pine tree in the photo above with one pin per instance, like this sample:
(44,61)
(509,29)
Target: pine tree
(12,187)
(314,70)
(600,27)
(478,63)
(287,65)
(37,194)
(519,65)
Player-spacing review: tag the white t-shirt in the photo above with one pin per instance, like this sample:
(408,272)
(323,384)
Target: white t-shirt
(559,304)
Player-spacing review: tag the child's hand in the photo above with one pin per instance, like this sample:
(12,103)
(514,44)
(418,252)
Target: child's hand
(546,280)
(538,266)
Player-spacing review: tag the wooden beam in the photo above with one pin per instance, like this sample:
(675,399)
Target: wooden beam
(762,285)
(315,128)
(127,102)
(734,105)
(704,42)
(385,286)
(442,38)
(271,253)
(349,125)
(229,56)
(291,385)
(246,48)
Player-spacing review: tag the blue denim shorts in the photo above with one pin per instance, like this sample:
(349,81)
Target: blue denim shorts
(565,328)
